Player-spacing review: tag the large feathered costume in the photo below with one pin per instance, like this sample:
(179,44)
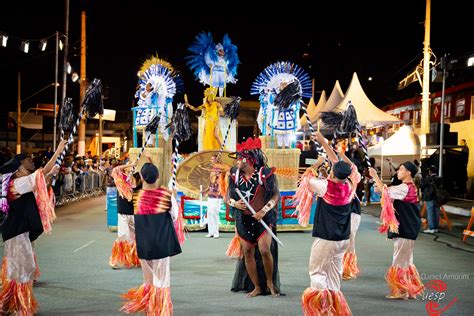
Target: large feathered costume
(281,87)
(213,65)
(158,83)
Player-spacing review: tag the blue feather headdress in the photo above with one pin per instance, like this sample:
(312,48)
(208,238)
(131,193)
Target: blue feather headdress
(205,53)
(282,72)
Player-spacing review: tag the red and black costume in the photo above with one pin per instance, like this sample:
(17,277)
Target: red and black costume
(258,190)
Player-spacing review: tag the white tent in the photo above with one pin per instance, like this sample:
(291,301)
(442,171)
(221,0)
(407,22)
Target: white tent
(368,114)
(312,108)
(333,100)
(402,146)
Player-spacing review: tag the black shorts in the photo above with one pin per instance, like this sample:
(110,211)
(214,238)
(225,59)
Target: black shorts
(250,229)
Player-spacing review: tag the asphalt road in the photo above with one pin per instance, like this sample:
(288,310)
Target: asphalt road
(76,278)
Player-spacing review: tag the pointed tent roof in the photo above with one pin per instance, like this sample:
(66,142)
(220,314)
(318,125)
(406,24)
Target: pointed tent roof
(367,113)
(334,99)
(312,108)
(403,142)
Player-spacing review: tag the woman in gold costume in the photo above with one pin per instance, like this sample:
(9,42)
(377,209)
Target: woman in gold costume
(211,110)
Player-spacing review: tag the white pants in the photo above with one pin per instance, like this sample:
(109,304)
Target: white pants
(213,209)
(283,140)
(325,264)
(403,252)
(126,227)
(156,272)
(21,266)
(355,222)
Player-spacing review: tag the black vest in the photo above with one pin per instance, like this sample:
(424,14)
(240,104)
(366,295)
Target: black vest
(23,216)
(124,206)
(155,236)
(355,206)
(408,214)
(332,222)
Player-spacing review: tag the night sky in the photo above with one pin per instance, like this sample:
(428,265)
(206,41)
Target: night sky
(383,42)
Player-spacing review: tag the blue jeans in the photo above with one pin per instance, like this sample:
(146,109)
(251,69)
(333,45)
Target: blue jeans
(432,212)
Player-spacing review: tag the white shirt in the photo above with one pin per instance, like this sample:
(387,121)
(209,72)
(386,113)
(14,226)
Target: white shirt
(398,192)
(25,184)
(318,186)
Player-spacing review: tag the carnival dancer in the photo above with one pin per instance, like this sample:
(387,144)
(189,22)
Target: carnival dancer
(279,111)
(214,197)
(332,224)
(402,277)
(157,85)
(124,250)
(351,269)
(214,65)
(28,201)
(285,121)
(258,185)
(157,241)
(211,111)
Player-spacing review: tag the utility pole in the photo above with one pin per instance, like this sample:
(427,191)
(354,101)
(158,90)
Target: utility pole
(65,55)
(82,125)
(444,65)
(425,99)
(101,131)
(18,119)
(55,90)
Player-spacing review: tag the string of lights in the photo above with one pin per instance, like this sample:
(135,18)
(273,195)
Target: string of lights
(25,44)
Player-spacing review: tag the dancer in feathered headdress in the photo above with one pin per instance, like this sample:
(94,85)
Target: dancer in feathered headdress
(158,83)
(281,87)
(214,65)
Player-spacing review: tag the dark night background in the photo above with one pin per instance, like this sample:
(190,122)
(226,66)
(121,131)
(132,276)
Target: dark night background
(383,41)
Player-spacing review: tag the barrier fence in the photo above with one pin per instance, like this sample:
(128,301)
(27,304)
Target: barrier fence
(83,186)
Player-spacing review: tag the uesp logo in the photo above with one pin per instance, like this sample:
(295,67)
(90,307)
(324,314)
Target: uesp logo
(435,292)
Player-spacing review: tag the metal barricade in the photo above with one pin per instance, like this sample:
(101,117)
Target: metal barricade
(83,186)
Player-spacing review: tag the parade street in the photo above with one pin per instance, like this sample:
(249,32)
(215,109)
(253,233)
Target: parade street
(77,280)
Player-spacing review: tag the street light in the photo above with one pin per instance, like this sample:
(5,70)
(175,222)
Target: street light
(20,101)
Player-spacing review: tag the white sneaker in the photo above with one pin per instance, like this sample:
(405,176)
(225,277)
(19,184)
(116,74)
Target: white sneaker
(429,231)
(208,236)
(216,236)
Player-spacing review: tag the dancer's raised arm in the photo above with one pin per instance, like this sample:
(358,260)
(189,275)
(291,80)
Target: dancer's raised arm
(329,151)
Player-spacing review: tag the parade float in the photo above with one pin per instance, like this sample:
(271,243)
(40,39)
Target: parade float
(158,83)
(281,88)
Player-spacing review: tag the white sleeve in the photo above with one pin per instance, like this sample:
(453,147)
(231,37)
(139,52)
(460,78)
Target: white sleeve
(25,184)
(398,192)
(318,186)
(174,208)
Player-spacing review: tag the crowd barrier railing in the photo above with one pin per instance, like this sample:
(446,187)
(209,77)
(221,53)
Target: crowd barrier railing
(79,187)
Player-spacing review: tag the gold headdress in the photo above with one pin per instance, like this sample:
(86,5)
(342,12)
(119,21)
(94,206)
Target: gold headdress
(211,91)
